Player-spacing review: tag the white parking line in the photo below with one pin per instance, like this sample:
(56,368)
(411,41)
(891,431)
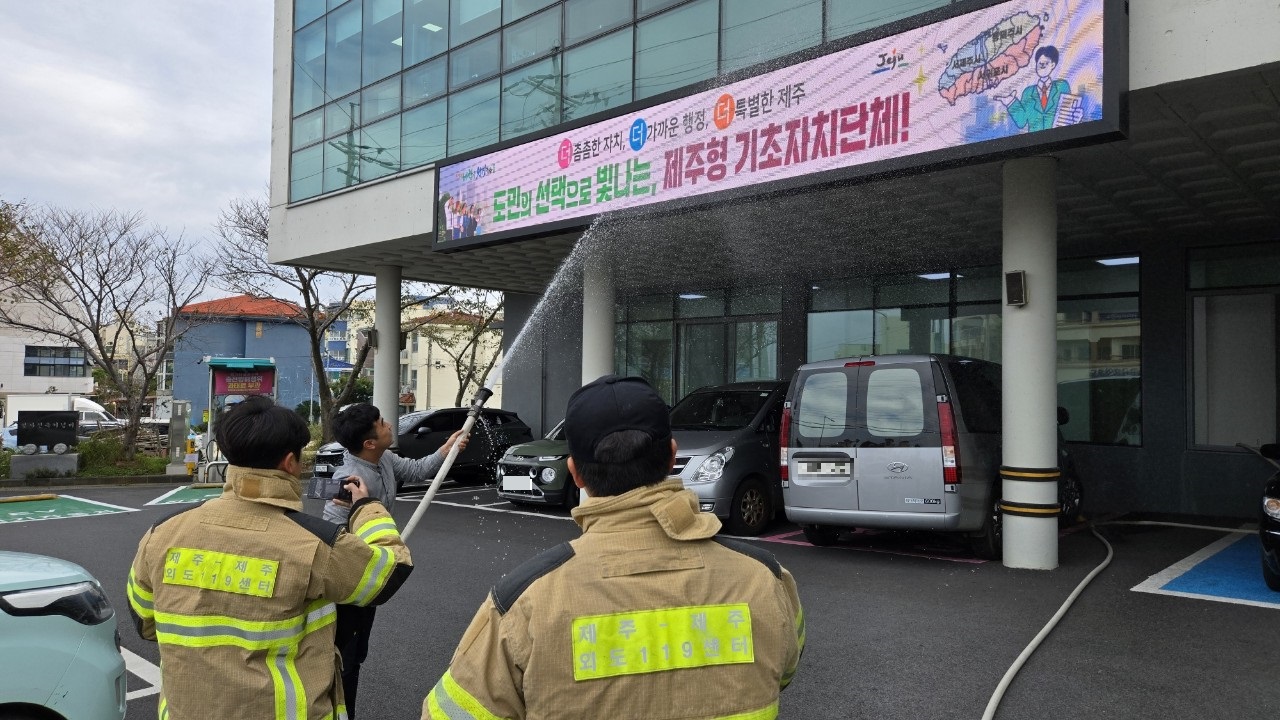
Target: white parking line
(144,669)
(486,508)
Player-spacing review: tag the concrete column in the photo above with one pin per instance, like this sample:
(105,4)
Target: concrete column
(1029,470)
(386,322)
(597,314)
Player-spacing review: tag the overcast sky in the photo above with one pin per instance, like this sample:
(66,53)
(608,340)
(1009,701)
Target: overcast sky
(158,106)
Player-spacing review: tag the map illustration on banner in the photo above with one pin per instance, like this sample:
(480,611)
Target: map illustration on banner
(1012,69)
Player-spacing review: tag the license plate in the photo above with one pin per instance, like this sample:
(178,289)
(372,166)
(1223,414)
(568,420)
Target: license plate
(517,482)
(323,469)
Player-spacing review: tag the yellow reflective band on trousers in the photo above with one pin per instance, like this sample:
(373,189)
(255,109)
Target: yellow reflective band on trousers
(377,529)
(448,701)
(225,572)
(375,577)
(142,602)
(632,643)
(199,631)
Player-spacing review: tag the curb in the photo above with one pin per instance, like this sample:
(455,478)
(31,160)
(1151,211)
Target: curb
(6,484)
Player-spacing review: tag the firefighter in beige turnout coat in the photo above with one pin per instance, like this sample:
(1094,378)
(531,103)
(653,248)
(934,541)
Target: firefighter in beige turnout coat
(646,616)
(240,591)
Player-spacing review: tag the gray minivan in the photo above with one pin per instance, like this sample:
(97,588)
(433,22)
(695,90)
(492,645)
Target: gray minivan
(901,442)
(727,451)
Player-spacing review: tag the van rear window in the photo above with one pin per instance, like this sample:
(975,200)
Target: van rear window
(895,403)
(822,408)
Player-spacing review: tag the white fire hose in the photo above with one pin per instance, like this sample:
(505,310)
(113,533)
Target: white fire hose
(481,397)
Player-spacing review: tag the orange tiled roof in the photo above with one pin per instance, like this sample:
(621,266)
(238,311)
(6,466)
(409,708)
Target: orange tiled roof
(244,306)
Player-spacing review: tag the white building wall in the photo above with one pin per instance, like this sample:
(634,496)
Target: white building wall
(13,350)
(1172,40)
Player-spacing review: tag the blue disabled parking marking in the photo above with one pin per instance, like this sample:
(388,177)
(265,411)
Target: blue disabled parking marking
(1229,570)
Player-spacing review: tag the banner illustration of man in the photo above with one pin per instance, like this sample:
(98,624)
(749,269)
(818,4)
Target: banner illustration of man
(1049,102)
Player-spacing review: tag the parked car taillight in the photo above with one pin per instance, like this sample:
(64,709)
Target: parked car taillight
(950,447)
(784,439)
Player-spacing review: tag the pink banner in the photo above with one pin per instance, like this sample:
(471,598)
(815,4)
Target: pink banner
(1012,69)
(233,382)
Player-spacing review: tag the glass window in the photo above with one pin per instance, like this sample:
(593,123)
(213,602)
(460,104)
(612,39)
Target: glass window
(846,18)
(1238,266)
(895,402)
(648,7)
(912,330)
(380,100)
(304,173)
(650,307)
(705,303)
(755,355)
(380,151)
(530,98)
(308,129)
(341,165)
(422,134)
(342,48)
(335,3)
(1095,276)
(473,117)
(597,76)
(304,11)
(513,10)
(1099,369)
(757,300)
(753,31)
(979,284)
(426,82)
(913,289)
(851,294)
(822,406)
(649,350)
(426,29)
(527,40)
(476,61)
(843,333)
(1233,369)
(469,19)
(383,38)
(976,332)
(342,116)
(308,69)
(585,18)
(676,48)
(702,356)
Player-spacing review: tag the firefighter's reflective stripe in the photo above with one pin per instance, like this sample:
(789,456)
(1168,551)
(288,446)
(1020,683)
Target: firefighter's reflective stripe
(764,713)
(225,572)
(377,529)
(800,632)
(647,641)
(448,701)
(142,602)
(199,631)
(375,577)
(163,711)
(289,696)
(339,714)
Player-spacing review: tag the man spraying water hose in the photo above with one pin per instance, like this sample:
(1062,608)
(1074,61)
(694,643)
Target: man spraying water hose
(646,615)
(366,436)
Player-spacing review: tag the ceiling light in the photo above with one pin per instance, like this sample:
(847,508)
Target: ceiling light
(432,27)
(1119,261)
(692,296)
(935,276)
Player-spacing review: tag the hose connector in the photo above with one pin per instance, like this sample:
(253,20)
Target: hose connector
(482,396)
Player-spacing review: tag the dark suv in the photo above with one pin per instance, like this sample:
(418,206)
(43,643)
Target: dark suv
(422,432)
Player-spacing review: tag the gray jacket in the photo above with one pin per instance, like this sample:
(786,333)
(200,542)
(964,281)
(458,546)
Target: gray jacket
(380,479)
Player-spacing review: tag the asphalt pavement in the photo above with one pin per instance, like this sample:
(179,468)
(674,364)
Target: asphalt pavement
(899,625)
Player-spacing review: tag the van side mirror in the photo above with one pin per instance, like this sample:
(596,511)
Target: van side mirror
(1064,417)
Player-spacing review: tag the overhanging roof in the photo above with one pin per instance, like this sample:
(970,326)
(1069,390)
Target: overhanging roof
(1202,160)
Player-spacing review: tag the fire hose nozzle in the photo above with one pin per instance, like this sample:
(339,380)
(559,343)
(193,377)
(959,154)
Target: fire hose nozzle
(482,397)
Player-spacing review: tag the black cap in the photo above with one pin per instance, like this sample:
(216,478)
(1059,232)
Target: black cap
(611,404)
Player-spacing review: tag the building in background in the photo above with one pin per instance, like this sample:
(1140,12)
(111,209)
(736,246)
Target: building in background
(243,326)
(37,363)
(436,342)
(1162,265)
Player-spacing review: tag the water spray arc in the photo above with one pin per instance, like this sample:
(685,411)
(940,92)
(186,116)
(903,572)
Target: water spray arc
(482,396)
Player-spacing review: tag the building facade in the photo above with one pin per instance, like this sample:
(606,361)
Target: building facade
(1149,255)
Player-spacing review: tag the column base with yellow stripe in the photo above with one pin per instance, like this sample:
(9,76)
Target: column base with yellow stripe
(1030,509)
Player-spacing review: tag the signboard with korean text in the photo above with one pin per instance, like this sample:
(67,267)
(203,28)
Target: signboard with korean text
(46,428)
(1019,76)
(242,382)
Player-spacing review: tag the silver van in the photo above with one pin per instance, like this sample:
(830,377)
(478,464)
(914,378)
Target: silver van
(727,451)
(900,442)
